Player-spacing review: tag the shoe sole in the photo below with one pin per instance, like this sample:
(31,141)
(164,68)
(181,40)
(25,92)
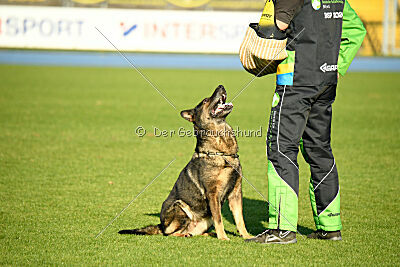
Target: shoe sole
(336,238)
(293,241)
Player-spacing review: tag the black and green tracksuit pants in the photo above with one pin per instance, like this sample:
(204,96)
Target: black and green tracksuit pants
(302,115)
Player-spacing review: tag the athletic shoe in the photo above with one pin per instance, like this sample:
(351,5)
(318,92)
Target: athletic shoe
(271,236)
(321,234)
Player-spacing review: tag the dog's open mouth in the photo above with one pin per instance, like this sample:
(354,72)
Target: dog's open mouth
(221,106)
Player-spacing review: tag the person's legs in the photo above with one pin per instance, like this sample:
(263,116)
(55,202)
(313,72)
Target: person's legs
(316,148)
(289,113)
(288,118)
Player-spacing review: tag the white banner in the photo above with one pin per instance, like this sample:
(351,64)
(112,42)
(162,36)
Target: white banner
(127,29)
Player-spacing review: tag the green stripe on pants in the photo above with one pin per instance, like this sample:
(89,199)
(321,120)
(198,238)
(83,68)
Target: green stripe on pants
(283,202)
(329,219)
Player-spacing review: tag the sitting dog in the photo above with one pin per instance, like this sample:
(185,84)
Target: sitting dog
(213,175)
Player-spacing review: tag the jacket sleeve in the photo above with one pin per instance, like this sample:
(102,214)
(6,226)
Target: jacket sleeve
(285,10)
(353,33)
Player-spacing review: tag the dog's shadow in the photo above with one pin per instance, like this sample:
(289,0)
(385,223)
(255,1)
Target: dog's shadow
(255,213)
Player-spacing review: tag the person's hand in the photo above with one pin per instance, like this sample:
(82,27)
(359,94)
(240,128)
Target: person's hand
(281,25)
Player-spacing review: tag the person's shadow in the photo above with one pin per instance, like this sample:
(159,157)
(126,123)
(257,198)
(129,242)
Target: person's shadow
(255,213)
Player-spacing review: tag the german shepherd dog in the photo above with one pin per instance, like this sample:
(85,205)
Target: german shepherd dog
(213,175)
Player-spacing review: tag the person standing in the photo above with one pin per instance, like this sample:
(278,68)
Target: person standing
(323,38)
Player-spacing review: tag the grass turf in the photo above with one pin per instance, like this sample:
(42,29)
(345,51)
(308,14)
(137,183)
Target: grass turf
(70,161)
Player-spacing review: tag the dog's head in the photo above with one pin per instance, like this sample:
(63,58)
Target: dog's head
(212,110)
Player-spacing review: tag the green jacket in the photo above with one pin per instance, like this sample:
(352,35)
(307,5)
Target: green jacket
(353,33)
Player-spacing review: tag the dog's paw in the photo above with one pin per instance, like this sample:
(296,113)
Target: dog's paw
(209,234)
(225,238)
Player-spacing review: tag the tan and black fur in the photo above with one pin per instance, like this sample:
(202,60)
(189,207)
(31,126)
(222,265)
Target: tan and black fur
(194,203)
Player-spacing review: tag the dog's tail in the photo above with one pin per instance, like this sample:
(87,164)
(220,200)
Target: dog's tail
(148,230)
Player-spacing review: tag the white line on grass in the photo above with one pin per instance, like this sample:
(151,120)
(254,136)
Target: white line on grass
(138,70)
(166,167)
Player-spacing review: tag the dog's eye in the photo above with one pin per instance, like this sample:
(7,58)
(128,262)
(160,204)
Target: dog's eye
(205,100)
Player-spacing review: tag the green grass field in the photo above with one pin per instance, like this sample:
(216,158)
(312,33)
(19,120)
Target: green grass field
(70,161)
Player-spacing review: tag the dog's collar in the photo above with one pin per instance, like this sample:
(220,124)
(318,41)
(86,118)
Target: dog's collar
(209,153)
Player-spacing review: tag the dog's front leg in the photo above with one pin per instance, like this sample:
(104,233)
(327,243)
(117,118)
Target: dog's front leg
(215,207)
(236,206)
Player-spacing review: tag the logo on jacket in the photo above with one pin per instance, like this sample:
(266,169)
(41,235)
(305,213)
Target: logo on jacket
(275,100)
(316,4)
(328,68)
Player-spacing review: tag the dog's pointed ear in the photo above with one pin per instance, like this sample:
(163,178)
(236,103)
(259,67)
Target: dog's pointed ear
(188,115)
